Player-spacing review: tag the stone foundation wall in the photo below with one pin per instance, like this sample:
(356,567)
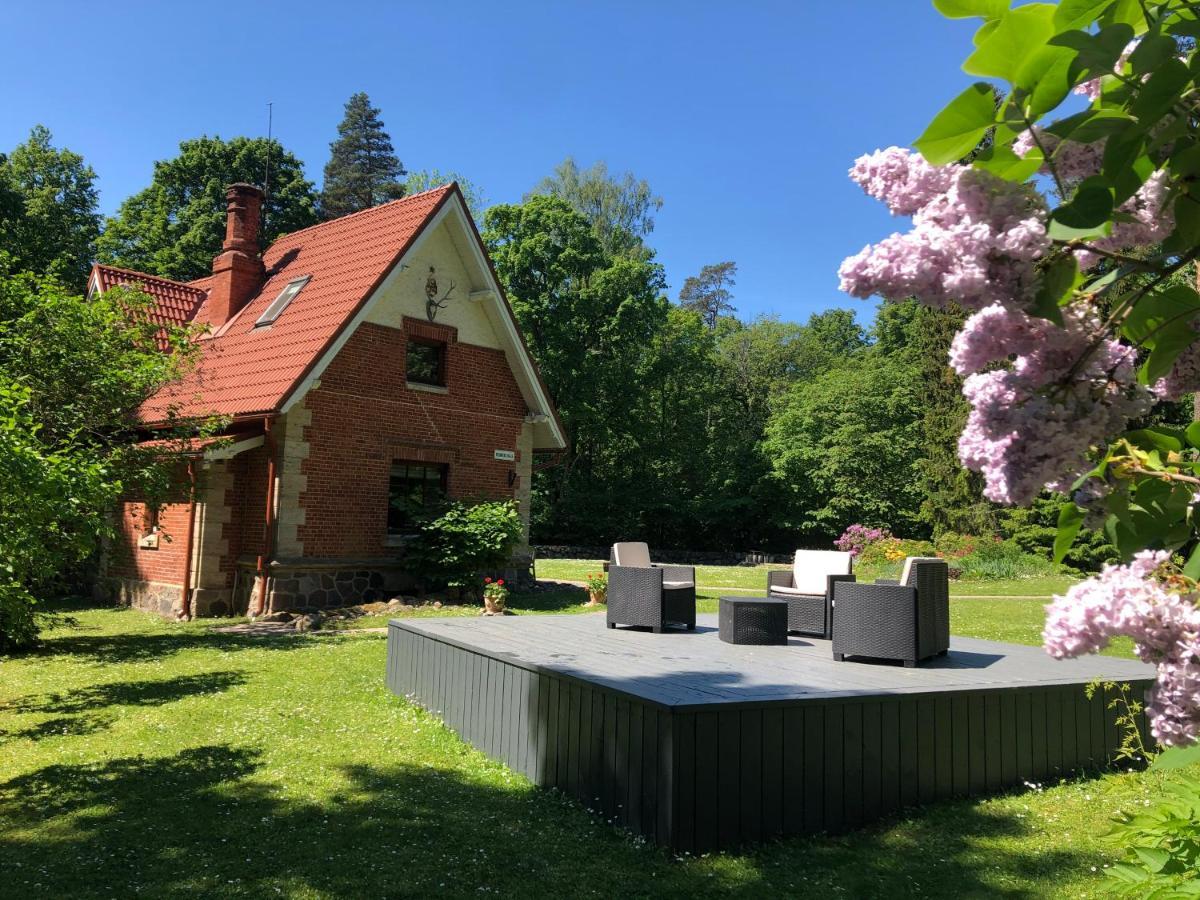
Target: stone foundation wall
(156,597)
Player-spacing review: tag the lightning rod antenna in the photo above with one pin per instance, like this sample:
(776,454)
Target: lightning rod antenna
(267,167)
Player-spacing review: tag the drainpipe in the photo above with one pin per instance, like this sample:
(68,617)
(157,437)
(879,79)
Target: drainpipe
(268,520)
(187,550)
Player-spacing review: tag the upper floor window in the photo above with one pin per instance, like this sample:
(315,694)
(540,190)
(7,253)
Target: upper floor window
(426,362)
(280,303)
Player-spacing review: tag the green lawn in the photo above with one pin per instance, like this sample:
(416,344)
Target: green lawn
(754,578)
(146,758)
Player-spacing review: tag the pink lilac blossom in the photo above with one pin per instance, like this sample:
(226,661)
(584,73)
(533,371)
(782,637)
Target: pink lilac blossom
(975,241)
(900,178)
(1033,423)
(1184,377)
(1072,160)
(1153,221)
(1165,626)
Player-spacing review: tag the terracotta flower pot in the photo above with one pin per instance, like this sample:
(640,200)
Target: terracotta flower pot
(493,605)
(597,598)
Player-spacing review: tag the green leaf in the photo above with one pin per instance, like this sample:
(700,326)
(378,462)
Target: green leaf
(1061,232)
(1160,91)
(1089,207)
(1193,434)
(1162,321)
(1191,568)
(1096,53)
(1003,163)
(1049,75)
(1177,757)
(1102,124)
(966,9)
(1187,220)
(1167,440)
(1021,32)
(1078,13)
(957,129)
(1153,857)
(1070,520)
(1056,283)
(1151,52)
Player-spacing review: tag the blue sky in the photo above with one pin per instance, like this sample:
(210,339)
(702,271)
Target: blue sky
(743,116)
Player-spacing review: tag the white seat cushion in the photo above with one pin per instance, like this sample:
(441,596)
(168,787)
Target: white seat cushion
(678,584)
(795,592)
(811,569)
(632,553)
(908,562)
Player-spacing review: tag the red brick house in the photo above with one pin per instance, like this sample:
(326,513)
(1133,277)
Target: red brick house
(366,366)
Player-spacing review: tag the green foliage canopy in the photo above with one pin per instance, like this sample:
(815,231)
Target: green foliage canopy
(176,226)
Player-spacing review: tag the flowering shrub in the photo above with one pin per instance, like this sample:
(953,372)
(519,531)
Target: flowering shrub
(1079,285)
(1137,601)
(857,538)
(952,545)
(893,549)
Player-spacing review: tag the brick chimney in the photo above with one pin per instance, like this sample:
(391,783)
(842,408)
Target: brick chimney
(238,272)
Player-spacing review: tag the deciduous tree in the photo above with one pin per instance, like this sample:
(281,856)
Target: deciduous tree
(49,219)
(175,227)
(620,209)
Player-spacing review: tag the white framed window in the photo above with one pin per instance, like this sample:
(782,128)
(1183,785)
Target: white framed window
(280,303)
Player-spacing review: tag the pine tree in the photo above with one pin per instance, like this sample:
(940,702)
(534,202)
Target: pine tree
(363,170)
(708,293)
(953,496)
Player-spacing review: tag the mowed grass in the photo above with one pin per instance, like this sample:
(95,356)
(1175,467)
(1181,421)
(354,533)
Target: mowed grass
(754,578)
(146,758)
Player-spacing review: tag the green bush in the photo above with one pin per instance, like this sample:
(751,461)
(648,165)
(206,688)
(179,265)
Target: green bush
(18,628)
(464,542)
(1035,528)
(1002,559)
(1161,840)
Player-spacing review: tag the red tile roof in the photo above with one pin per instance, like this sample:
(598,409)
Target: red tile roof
(246,370)
(174,303)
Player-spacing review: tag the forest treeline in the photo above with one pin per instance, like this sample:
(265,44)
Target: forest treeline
(690,426)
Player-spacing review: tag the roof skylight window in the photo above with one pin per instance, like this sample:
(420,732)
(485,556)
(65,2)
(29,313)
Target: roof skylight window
(280,303)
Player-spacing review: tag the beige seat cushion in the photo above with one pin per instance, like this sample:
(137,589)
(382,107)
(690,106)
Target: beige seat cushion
(632,553)
(793,592)
(811,569)
(678,584)
(908,562)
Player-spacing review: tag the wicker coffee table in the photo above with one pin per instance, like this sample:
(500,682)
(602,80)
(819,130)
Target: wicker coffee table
(753,620)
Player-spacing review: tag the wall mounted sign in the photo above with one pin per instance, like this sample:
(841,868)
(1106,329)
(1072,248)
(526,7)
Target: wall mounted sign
(506,455)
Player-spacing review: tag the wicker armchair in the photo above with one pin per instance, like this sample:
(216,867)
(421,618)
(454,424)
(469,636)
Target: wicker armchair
(649,595)
(907,620)
(808,588)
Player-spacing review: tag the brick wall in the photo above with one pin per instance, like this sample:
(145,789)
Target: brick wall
(364,417)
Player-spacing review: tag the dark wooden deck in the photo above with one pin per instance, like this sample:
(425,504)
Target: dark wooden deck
(701,745)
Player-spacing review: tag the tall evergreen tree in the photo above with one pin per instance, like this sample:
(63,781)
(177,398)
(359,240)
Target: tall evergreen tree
(49,220)
(363,170)
(708,293)
(953,495)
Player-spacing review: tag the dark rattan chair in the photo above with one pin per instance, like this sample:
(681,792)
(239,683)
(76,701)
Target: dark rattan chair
(907,620)
(808,588)
(643,593)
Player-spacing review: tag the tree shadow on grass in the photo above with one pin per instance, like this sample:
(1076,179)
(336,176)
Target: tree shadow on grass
(200,823)
(87,710)
(154,646)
